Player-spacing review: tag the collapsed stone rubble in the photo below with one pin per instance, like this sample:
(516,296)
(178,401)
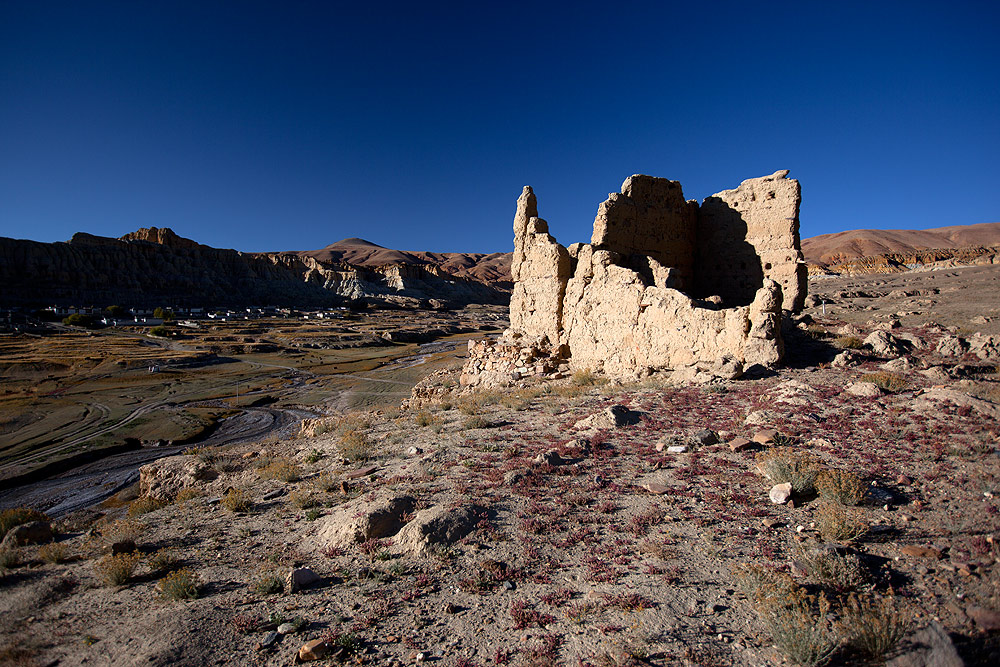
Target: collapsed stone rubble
(663,284)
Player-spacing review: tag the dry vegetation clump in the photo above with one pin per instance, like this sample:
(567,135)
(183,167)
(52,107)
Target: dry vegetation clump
(281,468)
(302,499)
(841,486)
(182,584)
(18,516)
(122,530)
(236,500)
(886,381)
(144,505)
(838,523)
(874,625)
(116,569)
(786,464)
(188,493)
(325,482)
(800,628)
(268,584)
(10,558)
(54,552)
(826,567)
(164,560)
(849,343)
(356,446)
(586,377)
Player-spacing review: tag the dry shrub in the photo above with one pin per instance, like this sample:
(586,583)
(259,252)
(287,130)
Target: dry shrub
(281,468)
(800,629)
(471,405)
(473,423)
(164,560)
(838,523)
(326,482)
(302,499)
(115,570)
(886,381)
(121,530)
(144,505)
(188,493)
(424,418)
(18,516)
(841,486)
(9,558)
(54,552)
(761,584)
(236,500)
(873,625)
(786,464)
(828,568)
(268,584)
(849,343)
(586,377)
(182,584)
(356,446)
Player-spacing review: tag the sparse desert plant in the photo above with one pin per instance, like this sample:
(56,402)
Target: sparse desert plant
(325,483)
(585,377)
(268,584)
(54,552)
(18,516)
(116,569)
(886,381)
(314,456)
(245,623)
(121,530)
(236,500)
(313,514)
(188,493)
(144,505)
(356,446)
(839,523)
(476,422)
(182,584)
(763,584)
(849,343)
(302,499)
(785,464)
(471,406)
(281,468)
(829,568)
(873,625)
(9,558)
(800,629)
(841,486)
(423,418)
(164,560)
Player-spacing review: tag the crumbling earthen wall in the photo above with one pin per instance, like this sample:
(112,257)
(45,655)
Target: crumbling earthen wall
(664,283)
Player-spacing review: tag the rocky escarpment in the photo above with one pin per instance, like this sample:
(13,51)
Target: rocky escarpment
(663,284)
(156,267)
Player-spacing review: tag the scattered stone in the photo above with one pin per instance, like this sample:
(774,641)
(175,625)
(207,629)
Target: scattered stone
(617,416)
(986,619)
(901,365)
(317,649)
(277,493)
(951,346)
(512,477)
(764,437)
(704,437)
(123,547)
(551,457)
(299,578)
(930,647)
(759,418)
(677,449)
(655,488)
(33,532)
(740,444)
(452,608)
(863,389)
(919,552)
(364,519)
(363,472)
(884,344)
(436,527)
(798,568)
(903,480)
(780,493)
(846,359)
(288,628)
(269,640)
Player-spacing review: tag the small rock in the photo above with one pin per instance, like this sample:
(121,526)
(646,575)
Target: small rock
(363,472)
(413,451)
(780,493)
(798,568)
(508,585)
(316,649)
(765,436)
(122,547)
(271,495)
(739,444)
(919,552)
(863,389)
(301,577)
(33,532)
(287,628)
(677,449)
(656,489)
(986,619)
(704,437)
(903,480)
(451,608)
(550,457)
(269,640)
(250,455)
(772,523)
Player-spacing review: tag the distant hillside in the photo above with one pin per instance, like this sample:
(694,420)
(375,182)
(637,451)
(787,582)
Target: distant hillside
(156,267)
(832,249)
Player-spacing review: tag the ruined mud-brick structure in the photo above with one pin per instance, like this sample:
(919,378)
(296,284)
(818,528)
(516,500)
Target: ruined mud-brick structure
(664,284)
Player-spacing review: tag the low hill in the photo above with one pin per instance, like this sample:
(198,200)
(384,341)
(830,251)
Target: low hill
(829,249)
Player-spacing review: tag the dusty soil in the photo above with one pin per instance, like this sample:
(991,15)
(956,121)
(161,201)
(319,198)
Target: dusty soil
(612,553)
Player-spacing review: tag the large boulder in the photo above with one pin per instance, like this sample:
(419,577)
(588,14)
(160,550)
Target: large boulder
(436,528)
(364,519)
(164,478)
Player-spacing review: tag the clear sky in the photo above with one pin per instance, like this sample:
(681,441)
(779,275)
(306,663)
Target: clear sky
(290,125)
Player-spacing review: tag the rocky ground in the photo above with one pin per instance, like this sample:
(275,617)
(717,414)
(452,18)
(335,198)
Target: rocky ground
(578,522)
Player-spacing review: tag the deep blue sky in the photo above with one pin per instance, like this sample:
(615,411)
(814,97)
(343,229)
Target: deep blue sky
(290,125)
